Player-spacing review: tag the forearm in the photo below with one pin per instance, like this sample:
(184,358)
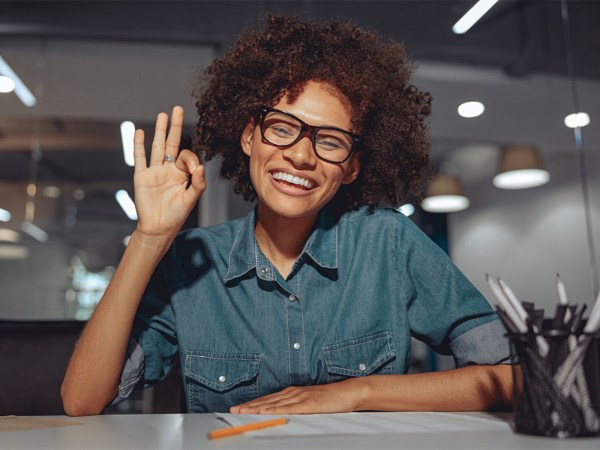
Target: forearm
(472,388)
(93,374)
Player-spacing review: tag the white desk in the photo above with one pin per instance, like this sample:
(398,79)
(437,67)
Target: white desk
(189,431)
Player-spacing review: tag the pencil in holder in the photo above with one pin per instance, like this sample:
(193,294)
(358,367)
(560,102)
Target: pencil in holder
(556,390)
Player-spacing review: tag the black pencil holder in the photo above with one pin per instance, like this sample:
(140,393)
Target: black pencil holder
(557,384)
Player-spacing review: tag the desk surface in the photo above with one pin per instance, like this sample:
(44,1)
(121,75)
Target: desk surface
(189,431)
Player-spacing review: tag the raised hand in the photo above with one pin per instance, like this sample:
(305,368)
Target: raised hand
(162,197)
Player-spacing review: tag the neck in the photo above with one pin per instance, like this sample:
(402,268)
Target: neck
(282,239)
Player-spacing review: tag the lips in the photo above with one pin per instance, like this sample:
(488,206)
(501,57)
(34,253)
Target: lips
(297,181)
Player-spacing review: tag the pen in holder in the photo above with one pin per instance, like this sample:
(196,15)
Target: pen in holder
(557,377)
(556,393)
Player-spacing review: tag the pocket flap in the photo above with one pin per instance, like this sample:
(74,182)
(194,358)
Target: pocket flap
(219,371)
(360,357)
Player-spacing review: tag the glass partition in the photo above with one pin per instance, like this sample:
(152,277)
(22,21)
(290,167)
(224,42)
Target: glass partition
(61,161)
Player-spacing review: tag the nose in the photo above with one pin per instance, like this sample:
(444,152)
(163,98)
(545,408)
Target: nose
(301,154)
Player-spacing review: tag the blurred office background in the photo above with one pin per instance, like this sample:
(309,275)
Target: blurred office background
(93,65)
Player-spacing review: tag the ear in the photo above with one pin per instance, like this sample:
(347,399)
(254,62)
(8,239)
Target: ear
(247,137)
(352,170)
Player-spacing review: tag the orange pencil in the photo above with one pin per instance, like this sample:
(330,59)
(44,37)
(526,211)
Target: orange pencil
(248,427)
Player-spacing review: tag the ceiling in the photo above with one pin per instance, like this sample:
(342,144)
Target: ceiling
(94,64)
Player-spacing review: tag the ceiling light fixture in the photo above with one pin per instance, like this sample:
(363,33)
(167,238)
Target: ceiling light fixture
(472,16)
(6,84)
(51,191)
(8,235)
(127,133)
(469,110)
(11,251)
(126,204)
(21,90)
(520,168)
(444,195)
(407,209)
(577,120)
(34,231)
(4,215)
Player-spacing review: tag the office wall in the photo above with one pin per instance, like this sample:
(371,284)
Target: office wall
(528,236)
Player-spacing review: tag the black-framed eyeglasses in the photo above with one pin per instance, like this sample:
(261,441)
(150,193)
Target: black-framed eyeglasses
(283,130)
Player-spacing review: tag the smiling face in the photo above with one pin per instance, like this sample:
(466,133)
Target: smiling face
(292,182)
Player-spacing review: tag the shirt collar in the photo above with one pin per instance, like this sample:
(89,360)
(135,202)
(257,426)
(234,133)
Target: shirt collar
(246,255)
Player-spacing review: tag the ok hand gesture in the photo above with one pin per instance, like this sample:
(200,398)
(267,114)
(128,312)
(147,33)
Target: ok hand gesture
(162,197)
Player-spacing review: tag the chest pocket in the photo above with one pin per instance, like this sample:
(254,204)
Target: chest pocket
(369,355)
(214,381)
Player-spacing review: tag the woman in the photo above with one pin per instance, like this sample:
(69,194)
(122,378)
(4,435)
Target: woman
(308,304)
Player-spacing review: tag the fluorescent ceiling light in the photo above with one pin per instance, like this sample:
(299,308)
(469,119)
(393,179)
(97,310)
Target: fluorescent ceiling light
(126,204)
(470,109)
(6,84)
(577,120)
(521,179)
(4,215)
(407,209)
(127,132)
(445,203)
(21,90)
(10,251)
(8,235)
(35,232)
(473,15)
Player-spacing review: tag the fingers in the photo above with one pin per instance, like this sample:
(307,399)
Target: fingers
(271,403)
(157,155)
(164,145)
(197,186)
(187,161)
(292,405)
(174,137)
(139,152)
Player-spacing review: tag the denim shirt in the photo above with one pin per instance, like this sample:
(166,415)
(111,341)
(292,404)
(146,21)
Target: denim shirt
(361,288)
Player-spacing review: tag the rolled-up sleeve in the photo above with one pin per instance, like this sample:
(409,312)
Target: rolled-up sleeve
(132,371)
(153,340)
(484,344)
(447,312)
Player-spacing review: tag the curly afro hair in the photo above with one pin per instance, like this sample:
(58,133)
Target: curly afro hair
(279,58)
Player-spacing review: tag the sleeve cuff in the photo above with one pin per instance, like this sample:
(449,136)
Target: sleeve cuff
(485,344)
(132,371)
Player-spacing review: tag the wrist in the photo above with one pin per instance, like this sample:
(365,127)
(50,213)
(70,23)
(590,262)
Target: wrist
(360,389)
(153,244)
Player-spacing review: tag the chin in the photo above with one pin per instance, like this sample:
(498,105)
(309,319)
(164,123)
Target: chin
(291,211)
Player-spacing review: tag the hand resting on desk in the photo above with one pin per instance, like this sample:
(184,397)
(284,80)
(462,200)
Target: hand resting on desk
(469,388)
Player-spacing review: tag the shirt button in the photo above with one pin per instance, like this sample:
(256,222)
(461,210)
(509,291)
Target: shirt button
(264,270)
(222,379)
(292,298)
(362,367)
(297,346)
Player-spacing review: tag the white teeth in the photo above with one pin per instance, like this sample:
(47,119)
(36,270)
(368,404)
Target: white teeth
(292,179)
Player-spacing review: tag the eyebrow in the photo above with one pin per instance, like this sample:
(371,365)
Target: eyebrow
(318,126)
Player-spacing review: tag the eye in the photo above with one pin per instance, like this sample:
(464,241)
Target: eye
(282,130)
(329,144)
(330,140)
